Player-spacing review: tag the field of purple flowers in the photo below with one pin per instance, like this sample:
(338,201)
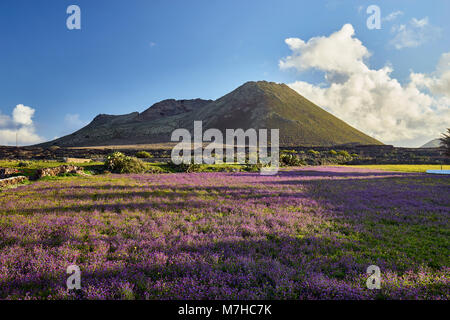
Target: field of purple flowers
(304,234)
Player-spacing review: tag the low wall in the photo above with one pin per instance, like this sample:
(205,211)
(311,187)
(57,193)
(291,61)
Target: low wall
(52,172)
(77,160)
(7,172)
(12,181)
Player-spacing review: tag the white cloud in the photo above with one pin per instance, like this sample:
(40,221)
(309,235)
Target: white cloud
(414,34)
(393,15)
(19,127)
(325,53)
(4,120)
(439,82)
(25,136)
(73,121)
(369,99)
(419,23)
(22,115)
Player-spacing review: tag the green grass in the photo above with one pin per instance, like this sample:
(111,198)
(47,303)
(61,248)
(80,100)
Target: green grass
(29,170)
(404,167)
(93,167)
(165,167)
(40,164)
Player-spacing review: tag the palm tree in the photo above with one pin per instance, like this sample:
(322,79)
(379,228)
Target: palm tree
(445,143)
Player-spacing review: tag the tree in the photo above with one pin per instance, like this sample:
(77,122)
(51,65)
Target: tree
(445,142)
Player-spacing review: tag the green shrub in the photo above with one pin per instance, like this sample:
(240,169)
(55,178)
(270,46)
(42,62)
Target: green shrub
(185,167)
(156,169)
(354,155)
(143,154)
(332,152)
(117,162)
(290,160)
(313,152)
(255,167)
(23,164)
(192,167)
(344,153)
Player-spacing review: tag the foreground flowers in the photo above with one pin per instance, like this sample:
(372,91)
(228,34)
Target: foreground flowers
(303,234)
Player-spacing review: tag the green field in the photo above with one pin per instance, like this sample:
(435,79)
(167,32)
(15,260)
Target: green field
(404,167)
(306,233)
(40,164)
(29,168)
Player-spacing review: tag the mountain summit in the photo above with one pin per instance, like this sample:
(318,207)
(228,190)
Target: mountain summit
(258,105)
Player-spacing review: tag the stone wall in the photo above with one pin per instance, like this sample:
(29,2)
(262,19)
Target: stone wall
(77,160)
(7,172)
(52,172)
(12,181)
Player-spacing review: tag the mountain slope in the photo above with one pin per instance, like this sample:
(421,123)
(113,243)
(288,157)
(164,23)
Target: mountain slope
(255,105)
(435,143)
(270,105)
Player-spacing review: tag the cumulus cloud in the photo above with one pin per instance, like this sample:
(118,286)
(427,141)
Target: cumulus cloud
(413,34)
(20,126)
(439,82)
(369,99)
(323,53)
(22,115)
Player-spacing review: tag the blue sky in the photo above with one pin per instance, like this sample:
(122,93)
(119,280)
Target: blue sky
(131,54)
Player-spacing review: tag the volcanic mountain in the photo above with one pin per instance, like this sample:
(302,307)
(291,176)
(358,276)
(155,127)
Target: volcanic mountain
(258,105)
(435,143)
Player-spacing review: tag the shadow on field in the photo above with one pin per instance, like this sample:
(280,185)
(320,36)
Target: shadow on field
(281,262)
(336,187)
(277,267)
(115,208)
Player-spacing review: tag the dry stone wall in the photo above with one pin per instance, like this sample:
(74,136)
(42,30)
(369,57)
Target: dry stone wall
(51,172)
(12,181)
(7,172)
